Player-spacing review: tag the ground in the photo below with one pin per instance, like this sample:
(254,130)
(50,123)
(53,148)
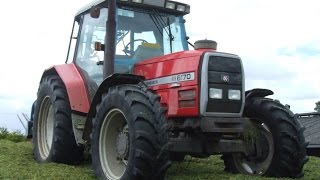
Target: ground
(16,162)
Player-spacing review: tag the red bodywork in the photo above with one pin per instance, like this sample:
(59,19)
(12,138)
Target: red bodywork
(176,63)
(77,92)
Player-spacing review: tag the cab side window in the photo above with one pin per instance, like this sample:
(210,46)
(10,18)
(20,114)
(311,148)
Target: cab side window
(73,42)
(92,30)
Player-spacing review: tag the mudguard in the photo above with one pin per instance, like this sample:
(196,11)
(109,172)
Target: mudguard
(75,85)
(258,93)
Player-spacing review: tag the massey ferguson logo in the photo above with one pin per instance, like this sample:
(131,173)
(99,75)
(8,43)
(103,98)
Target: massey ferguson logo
(225,78)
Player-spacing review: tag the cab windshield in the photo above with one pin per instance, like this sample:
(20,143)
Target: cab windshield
(149,29)
(140,35)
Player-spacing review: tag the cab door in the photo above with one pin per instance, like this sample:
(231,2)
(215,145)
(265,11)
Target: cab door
(85,58)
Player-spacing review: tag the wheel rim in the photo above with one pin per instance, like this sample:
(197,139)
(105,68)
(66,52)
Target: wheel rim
(45,127)
(114,144)
(258,164)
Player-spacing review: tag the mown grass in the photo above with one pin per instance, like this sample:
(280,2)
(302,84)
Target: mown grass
(16,162)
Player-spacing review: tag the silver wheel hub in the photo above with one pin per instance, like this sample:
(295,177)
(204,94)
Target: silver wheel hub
(45,127)
(114,144)
(261,158)
(123,145)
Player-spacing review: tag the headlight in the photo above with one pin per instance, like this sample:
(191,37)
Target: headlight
(234,94)
(181,8)
(215,93)
(137,1)
(170,5)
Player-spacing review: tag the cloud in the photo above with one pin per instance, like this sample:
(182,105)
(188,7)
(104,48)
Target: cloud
(9,108)
(11,122)
(15,105)
(34,36)
(311,49)
(3,97)
(266,69)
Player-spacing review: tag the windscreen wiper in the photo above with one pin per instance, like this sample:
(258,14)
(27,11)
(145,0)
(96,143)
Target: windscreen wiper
(161,24)
(170,34)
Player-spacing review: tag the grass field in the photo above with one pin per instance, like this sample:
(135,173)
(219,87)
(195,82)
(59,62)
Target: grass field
(16,162)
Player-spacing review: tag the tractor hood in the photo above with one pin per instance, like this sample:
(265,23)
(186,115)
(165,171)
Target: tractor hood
(161,72)
(180,69)
(173,73)
(173,56)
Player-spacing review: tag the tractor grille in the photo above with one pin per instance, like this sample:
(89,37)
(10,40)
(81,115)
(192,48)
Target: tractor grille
(225,73)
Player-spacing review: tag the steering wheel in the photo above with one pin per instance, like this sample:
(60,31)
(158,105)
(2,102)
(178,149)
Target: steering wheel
(131,52)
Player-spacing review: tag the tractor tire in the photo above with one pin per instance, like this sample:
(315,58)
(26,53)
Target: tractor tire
(280,140)
(177,157)
(53,138)
(130,135)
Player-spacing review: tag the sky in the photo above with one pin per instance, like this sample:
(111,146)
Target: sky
(278,42)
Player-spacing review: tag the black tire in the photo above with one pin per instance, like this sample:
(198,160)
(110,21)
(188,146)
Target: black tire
(53,137)
(143,131)
(32,111)
(177,157)
(30,122)
(286,134)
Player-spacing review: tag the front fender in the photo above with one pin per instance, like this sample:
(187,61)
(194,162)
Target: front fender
(257,93)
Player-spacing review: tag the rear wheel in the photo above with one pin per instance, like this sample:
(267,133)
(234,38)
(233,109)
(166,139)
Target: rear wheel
(279,145)
(53,138)
(129,138)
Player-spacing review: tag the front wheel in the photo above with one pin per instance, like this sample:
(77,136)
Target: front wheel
(279,147)
(129,135)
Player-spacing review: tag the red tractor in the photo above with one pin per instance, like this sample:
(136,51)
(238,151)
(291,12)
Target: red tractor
(137,97)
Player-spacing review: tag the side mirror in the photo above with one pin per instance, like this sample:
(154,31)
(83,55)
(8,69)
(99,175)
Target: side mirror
(95,12)
(98,46)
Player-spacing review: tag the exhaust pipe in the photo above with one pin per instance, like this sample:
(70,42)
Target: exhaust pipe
(110,40)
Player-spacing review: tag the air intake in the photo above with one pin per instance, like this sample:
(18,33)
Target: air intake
(205,44)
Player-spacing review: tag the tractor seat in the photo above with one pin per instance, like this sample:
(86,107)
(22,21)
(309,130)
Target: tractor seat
(147,51)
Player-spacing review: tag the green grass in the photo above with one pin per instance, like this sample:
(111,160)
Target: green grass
(15,136)
(16,162)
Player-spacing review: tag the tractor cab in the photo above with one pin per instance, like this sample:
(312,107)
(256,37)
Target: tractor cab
(144,30)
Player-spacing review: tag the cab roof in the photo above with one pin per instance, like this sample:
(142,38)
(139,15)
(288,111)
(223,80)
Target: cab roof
(145,4)
(88,6)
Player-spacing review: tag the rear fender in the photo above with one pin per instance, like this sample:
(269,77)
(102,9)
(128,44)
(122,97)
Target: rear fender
(75,85)
(113,80)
